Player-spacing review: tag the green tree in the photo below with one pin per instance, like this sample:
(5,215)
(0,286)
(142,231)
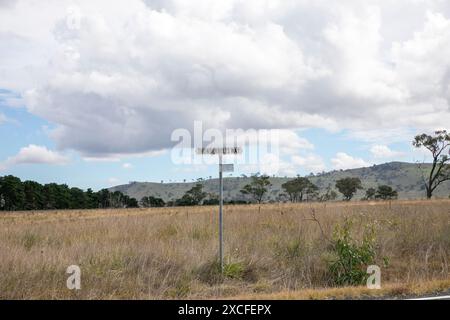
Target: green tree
(145,202)
(30,195)
(117,200)
(103,198)
(257,188)
(56,196)
(92,201)
(131,202)
(50,195)
(34,195)
(330,195)
(298,188)
(348,187)
(78,199)
(12,193)
(211,202)
(150,201)
(386,193)
(63,200)
(370,193)
(312,192)
(438,144)
(192,197)
(197,194)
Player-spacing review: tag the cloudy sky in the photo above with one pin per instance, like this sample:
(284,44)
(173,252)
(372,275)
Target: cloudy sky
(91,91)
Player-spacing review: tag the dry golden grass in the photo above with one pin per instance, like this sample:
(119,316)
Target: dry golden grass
(388,291)
(167,253)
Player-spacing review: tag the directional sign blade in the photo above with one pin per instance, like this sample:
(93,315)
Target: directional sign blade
(222,151)
(227,167)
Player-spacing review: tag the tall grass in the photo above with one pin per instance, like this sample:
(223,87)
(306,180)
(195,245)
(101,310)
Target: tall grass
(171,252)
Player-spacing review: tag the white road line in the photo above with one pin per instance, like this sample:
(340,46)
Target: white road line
(433,298)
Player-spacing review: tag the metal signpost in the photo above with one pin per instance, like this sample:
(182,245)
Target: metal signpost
(222,168)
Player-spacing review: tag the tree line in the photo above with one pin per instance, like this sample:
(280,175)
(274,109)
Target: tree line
(296,190)
(30,195)
(302,189)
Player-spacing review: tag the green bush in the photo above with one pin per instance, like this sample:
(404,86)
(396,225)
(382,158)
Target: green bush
(234,270)
(210,272)
(352,257)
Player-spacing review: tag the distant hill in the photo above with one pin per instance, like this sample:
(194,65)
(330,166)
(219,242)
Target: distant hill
(404,177)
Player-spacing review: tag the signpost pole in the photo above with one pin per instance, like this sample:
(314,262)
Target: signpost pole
(222,168)
(220,213)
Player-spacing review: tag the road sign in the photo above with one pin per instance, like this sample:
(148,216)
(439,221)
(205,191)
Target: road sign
(222,168)
(219,151)
(226,168)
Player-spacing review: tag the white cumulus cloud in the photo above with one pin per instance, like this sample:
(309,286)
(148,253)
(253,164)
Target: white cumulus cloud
(311,163)
(384,152)
(126,74)
(344,161)
(34,154)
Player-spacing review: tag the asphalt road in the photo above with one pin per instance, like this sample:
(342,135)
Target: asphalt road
(432,298)
(445,295)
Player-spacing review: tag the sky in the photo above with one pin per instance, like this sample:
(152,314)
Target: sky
(91,92)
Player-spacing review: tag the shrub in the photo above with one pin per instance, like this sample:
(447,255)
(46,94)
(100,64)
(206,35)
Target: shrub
(210,272)
(352,257)
(233,270)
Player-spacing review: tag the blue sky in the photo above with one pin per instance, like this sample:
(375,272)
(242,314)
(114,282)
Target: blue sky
(92,92)
(23,129)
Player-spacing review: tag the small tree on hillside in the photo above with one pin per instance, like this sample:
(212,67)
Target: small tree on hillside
(257,188)
(193,197)
(151,201)
(197,193)
(298,188)
(348,187)
(438,144)
(386,193)
(312,192)
(212,200)
(370,194)
(329,195)
(131,202)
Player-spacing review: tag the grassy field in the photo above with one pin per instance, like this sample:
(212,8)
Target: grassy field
(276,251)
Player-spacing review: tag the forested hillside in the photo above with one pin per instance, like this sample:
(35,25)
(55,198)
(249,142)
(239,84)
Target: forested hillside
(405,178)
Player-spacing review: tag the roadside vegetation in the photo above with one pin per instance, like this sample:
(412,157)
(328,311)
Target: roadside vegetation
(271,250)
